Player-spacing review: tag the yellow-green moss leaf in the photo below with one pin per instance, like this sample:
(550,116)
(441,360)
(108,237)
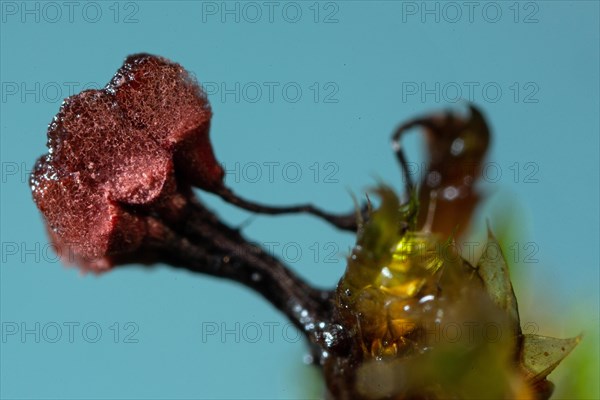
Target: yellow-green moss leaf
(541,354)
(493,270)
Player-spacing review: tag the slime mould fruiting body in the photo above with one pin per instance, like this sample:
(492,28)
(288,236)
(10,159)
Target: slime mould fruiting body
(123,160)
(423,323)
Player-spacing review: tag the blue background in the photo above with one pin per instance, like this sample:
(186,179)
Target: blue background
(363,57)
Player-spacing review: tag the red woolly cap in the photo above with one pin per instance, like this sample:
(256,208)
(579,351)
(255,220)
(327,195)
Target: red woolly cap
(120,149)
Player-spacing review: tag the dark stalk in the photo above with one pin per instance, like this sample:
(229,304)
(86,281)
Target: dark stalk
(203,244)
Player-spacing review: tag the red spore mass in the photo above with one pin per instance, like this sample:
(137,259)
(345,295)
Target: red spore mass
(116,153)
